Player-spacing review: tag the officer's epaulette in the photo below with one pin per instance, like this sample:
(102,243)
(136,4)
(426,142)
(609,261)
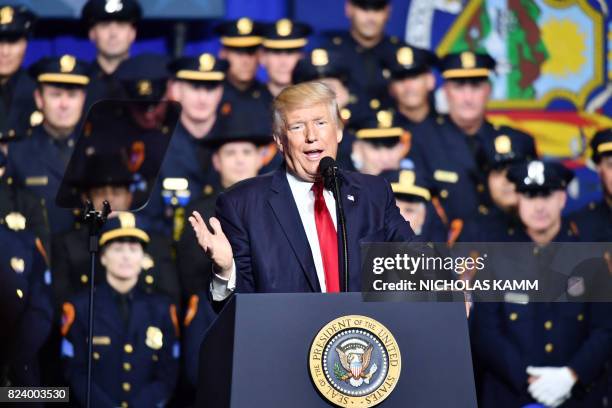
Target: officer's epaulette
(192,310)
(68,316)
(456,226)
(174,318)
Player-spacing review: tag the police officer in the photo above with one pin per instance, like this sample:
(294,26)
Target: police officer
(135,342)
(20,209)
(365,46)
(411,83)
(379,145)
(111,26)
(39,160)
(240,41)
(23,254)
(550,353)
(237,155)
(497,208)
(413,194)
(595,221)
(16,86)
(453,154)
(283,46)
(108,179)
(187,172)
(327,66)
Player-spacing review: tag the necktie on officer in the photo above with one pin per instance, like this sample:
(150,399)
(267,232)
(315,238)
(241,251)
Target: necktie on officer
(328,239)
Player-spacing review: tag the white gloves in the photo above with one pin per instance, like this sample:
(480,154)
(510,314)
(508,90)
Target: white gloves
(553,386)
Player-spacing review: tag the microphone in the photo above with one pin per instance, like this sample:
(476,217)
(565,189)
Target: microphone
(329,170)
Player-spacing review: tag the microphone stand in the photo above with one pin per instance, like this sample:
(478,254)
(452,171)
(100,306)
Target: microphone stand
(332,182)
(95,220)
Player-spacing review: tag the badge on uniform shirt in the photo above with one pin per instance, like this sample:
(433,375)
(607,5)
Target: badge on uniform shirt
(18,264)
(155,338)
(15,221)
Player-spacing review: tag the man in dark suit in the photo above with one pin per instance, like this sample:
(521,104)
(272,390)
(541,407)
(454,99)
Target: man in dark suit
(277,232)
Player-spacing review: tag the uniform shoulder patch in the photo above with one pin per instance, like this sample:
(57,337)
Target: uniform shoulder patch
(192,309)
(68,316)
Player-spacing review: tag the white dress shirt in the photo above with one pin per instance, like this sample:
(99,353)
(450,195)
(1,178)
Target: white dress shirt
(305,200)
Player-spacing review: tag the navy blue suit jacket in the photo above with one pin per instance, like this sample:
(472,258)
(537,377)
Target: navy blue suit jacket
(261,220)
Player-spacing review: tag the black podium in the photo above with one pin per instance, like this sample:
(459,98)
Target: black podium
(256,353)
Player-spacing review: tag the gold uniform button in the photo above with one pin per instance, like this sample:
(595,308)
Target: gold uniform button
(126,386)
(127,366)
(480,188)
(84,278)
(483,209)
(20,293)
(124,404)
(580,317)
(548,325)
(96,356)
(155,358)
(444,193)
(128,348)
(513,316)
(149,279)
(549,347)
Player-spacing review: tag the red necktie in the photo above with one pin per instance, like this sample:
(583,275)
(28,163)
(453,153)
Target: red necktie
(328,240)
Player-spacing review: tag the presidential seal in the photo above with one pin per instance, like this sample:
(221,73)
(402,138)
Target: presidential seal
(354,361)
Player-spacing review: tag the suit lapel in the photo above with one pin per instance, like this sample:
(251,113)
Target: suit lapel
(286,212)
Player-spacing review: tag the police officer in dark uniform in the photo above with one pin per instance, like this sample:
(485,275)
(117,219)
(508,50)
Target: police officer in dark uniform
(187,172)
(282,47)
(23,254)
(497,208)
(16,86)
(20,209)
(327,66)
(108,179)
(454,152)
(240,41)
(411,83)
(135,342)
(237,155)
(378,144)
(365,47)
(40,159)
(595,221)
(413,193)
(111,26)
(550,353)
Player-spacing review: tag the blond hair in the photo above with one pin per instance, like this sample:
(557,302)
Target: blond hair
(304,95)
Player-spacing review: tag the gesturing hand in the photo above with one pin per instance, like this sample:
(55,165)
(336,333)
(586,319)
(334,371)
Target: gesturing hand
(215,244)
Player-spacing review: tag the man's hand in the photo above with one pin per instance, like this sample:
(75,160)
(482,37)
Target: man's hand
(215,244)
(551,386)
